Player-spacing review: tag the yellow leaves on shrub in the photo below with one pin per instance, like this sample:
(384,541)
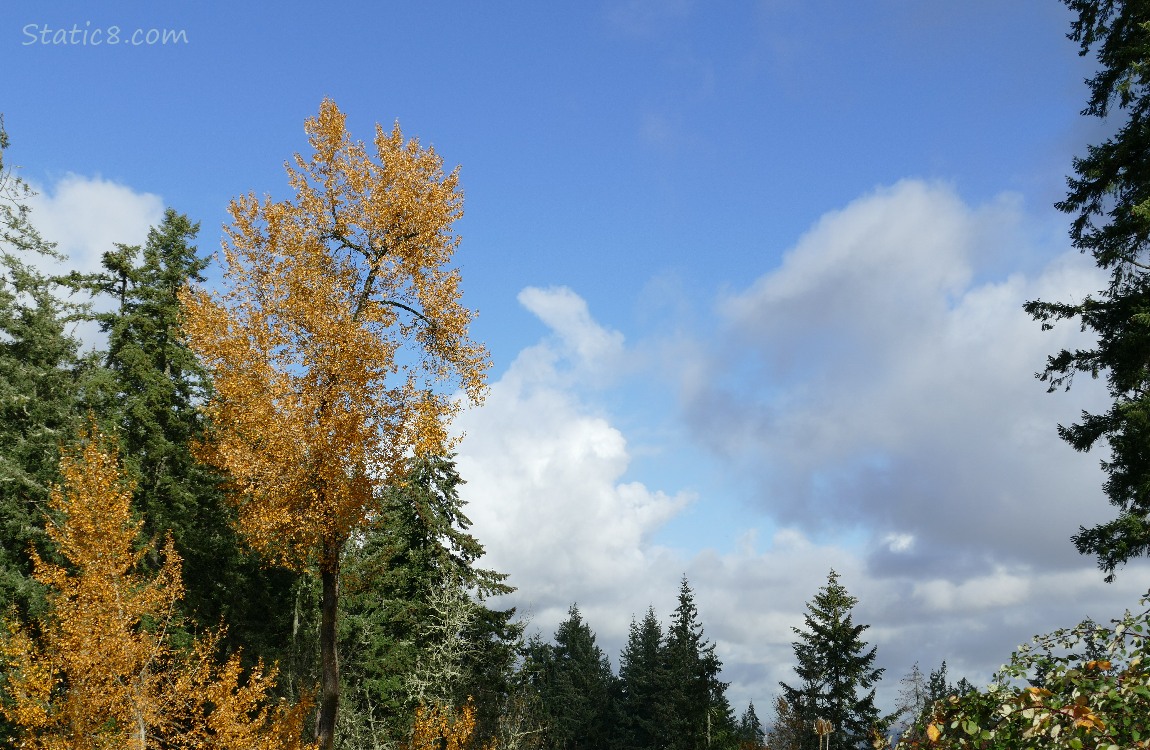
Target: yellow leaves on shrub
(437,728)
(99,670)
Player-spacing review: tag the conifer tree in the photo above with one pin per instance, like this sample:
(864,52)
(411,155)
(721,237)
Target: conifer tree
(43,380)
(835,670)
(414,611)
(643,686)
(697,705)
(1109,199)
(751,734)
(575,684)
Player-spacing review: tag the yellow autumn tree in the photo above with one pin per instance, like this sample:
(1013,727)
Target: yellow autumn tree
(100,670)
(335,346)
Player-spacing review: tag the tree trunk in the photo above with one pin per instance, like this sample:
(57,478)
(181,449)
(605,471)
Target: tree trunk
(329,687)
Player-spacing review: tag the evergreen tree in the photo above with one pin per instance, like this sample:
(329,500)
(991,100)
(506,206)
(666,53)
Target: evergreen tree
(150,396)
(1109,197)
(696,698)
(575,684)
(43,381)
(937,686)
(414,628)
(751,734)
(835,669)
(643,684)
(723,725)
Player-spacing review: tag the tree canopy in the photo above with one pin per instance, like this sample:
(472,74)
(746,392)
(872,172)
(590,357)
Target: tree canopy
(100,669)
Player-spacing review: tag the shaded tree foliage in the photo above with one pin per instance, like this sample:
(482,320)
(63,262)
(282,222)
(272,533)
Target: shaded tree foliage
(697,708)
(643,684)
(43,386)
(415,630)
(751,736)
(575,684)
(1109,198)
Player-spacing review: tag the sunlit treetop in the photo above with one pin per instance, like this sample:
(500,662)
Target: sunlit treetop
(339,339)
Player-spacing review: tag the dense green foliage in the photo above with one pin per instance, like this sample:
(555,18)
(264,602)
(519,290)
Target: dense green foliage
(1109,197)
(751,734)
(1082,687)
(575,684)
(415,630)
(643,678)
(43,382)
(699,715)
(667,694)
(835,669)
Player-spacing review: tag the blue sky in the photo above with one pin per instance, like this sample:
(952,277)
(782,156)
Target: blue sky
(751,275)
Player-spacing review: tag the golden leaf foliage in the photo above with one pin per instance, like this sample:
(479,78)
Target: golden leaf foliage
(319,391)
(437,728)
(100,671)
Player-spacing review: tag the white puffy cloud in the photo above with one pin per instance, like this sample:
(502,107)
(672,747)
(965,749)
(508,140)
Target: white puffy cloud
(893,391)
(546,481)
(88,216)
(593,351)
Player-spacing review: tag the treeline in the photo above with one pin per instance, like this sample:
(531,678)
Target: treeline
(667,693)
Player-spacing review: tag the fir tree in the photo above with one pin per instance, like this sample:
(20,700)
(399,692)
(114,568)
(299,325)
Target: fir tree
(1109,198)
(835,669)
(751,734)
(698,710)
(575,684)
(644,713)
(43,380)
(414,610)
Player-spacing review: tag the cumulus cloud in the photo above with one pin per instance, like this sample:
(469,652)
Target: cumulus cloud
(591,349)
(546,477)
(88,216)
